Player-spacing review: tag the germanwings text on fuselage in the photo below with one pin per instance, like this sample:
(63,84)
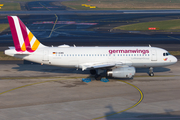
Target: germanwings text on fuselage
(129,51)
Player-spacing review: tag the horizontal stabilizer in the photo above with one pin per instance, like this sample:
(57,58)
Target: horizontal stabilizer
(11,47)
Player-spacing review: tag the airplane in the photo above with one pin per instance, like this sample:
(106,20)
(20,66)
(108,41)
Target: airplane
(116,62)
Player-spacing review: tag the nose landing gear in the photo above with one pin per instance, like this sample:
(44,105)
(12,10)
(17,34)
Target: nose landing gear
(151,73)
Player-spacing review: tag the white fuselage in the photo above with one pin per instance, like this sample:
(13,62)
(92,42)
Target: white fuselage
(75,57)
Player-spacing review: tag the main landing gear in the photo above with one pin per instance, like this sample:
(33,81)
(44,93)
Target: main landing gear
(151,73)
(98,73)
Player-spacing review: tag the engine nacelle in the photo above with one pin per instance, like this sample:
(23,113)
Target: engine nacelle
(122,72)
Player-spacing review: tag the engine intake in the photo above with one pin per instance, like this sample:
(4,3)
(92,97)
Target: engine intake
(122,72)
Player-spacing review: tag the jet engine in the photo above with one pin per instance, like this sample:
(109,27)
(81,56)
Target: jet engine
(122,72)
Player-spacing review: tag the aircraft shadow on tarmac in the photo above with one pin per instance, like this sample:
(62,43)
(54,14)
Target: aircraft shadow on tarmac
(48,68)
(168,114)
(55,69)
(156,69)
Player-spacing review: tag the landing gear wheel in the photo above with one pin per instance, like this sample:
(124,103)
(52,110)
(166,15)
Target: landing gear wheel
(151,74)
(98,77)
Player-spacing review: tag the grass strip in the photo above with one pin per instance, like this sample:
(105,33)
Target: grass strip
(175,53)
(124,4)
(159,25)
(10,7)
(3,27)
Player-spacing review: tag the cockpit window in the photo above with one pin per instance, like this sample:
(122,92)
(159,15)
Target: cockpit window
(166,54)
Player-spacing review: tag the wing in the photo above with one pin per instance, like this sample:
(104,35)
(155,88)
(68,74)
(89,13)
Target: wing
(99,65)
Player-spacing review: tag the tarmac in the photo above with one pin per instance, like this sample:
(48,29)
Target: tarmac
(41,92)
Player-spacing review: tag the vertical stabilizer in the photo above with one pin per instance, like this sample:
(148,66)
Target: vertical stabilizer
(22,36)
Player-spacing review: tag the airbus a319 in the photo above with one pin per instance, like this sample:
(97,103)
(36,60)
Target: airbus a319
(117,62)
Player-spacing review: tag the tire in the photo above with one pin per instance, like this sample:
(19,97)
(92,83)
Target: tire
(151,74)
(98,77)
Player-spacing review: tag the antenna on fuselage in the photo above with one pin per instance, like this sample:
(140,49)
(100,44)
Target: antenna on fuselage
(149,45)
(74,45)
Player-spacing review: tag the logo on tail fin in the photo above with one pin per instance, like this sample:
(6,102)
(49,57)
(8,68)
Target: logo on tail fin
(22,36)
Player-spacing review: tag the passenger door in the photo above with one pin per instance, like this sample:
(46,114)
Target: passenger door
(153,55)
(45,56)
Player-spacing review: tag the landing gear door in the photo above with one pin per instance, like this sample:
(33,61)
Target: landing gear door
(153,55)
(45,56)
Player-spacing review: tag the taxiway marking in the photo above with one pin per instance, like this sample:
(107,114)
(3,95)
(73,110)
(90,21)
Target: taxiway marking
(174,38)
(140,100)
(54,22)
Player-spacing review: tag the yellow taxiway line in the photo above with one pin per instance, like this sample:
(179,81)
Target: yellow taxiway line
(140,100)
(140,92)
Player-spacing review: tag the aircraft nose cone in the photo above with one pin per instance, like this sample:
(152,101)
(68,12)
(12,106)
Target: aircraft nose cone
(174,59)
